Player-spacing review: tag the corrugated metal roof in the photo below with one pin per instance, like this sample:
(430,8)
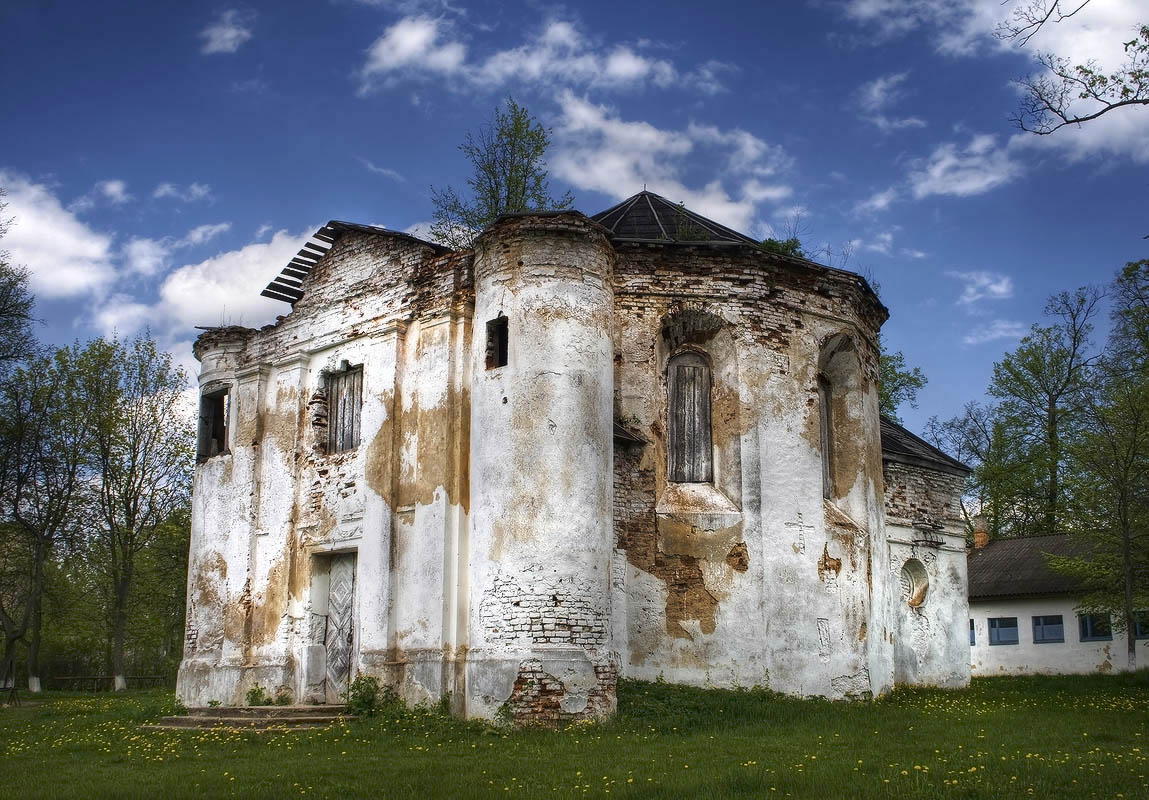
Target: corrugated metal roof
(288,285)
(898,444)
(1012,567)
(648,217)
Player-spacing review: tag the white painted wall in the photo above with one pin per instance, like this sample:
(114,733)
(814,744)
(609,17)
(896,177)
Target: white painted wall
(1026,657)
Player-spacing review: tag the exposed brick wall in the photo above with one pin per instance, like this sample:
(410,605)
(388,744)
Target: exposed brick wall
(537,696)
(916,494)
(543,611)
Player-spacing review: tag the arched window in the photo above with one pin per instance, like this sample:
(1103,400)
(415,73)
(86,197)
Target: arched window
(691,454)
(838,393)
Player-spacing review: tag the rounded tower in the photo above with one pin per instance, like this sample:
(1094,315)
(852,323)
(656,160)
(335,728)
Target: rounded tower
(541,470)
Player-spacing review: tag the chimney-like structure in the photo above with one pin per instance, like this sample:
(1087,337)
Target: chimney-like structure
(980,532)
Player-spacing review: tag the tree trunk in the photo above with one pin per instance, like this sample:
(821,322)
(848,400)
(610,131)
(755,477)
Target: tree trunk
(35,601)
(1130,625)
(119,626)
(1054,442)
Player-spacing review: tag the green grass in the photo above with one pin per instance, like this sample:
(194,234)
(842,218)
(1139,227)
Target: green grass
(1047,737)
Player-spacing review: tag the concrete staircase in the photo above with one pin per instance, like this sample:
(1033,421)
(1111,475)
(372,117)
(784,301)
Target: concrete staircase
(256,718)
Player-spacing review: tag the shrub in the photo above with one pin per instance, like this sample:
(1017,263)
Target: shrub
(283,696)
(258,696)
(363,695)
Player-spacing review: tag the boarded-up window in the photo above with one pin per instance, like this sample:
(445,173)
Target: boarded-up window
(688,413)
(214,410)
(497,342)
(826,435)
(344,402)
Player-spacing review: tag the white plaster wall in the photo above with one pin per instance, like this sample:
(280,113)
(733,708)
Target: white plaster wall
(541,457)
(1028,657)
(931,639)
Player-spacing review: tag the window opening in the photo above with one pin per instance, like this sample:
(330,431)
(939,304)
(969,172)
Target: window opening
(972,640)
(497,342)
(826,436)
(1141,624)
(1048,628)
(214,410)
(691,452)
(1003,630)
(344,404)
(1095,627)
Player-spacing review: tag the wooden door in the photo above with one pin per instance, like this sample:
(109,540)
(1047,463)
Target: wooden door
(339,638)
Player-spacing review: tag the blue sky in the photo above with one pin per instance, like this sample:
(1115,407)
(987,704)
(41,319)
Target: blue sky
(164,160)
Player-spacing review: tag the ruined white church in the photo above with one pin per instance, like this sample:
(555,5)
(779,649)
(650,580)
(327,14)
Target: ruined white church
(630,445)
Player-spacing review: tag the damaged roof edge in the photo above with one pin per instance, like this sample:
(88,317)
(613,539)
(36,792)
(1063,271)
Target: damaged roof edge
(288,285)
(903,447)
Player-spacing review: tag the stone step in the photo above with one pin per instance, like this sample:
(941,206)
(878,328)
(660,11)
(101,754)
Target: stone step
(205,722)
(267,712)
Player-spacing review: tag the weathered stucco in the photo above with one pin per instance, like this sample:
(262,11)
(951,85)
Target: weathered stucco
(512,549)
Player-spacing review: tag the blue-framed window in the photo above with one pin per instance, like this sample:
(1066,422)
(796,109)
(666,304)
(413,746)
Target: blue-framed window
(1095,627)
(1003,630)
(972,639)
(1141,624)
(1048,628)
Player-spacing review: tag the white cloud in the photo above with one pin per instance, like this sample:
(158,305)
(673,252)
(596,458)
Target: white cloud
(64,256)
(595,149)
(559,55)
(998,329)
(1096,33)
(964,171)
(909,252)
(878,201)
(151,256)
(982,285)
(194,192)
(228,32)
(421,230)
(220,290)
(384,171)
(878,95)
(113,192)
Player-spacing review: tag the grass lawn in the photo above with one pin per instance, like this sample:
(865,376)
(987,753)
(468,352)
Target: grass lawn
(1047,737)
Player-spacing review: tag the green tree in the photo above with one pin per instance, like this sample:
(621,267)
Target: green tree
(791,246)
(509,175)
(897,383)
(1110,481)
(46,432)
(143,462)
(16,305)
(1039,386)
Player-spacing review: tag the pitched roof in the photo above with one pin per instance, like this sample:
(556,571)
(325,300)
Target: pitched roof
(901,446)
(288,284)
(1012,567)
(648,217)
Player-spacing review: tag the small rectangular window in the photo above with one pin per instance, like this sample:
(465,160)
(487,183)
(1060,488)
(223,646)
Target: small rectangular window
(1048,628)
(344,404)
(1141,624)
(972,640)
(826,437)
(1003,630)
(1095,627)
(497,341)
(214,410)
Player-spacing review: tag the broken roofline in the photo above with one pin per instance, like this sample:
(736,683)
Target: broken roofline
(646,212)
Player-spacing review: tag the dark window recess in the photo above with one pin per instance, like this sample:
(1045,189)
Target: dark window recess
(1048,628)
(1095,627)
(344,403)
(497,335)
(972,639)
(214,410)
(826,436)
(1141,624)
(1003,630)
(689,442)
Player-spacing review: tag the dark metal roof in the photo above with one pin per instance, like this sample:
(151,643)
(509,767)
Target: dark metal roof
(288,285)
(899,445)
(1012,567)
(648,217)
